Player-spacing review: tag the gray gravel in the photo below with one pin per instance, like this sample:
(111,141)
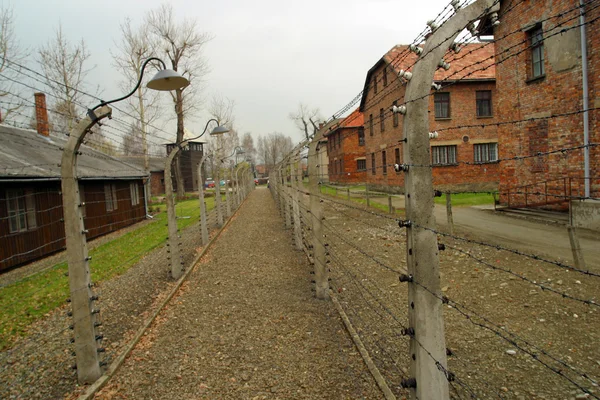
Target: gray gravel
(246,325)
(39,366)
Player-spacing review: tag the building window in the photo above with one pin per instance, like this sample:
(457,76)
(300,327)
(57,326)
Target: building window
(442,105)
(443,155)
(110,196)
(381,120)
(134,190)
(375,84)
(397,154)
(536,39)
(361,136)
(371,124)
(384,76)
(361,165)
(484,103)
(20,205)
(373,168)
(383,162)
(485,152)
(395,115)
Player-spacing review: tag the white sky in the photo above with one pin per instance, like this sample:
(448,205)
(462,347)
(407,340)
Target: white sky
(267,55)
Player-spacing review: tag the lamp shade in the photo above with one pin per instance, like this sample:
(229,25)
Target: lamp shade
(167,79)
(219,130)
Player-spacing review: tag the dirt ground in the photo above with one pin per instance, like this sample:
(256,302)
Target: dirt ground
(246,325)
(509,338)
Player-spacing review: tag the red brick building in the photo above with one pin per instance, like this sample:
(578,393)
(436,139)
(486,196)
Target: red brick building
(540,76)
(463,159)
(346,150)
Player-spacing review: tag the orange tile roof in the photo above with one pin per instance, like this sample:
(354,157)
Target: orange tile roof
(474,61)
(353,120)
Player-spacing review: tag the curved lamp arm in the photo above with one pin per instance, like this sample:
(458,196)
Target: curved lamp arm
(103,103)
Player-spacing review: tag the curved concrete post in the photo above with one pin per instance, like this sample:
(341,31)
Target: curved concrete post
(203,222)
(297,196)
(173,243)
(227,196)
(316,212)
(427,345)
(86,349)
(287,165)
(218,196)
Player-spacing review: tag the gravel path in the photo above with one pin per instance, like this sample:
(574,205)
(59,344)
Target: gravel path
(246,325)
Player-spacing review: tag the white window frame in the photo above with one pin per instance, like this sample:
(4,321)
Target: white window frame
(134,191)
(444,155)
(20,206)
(110,197)
(484,153)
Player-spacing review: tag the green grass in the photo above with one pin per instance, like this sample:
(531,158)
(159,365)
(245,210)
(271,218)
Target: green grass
(30,299)
(342,193)
(467,199)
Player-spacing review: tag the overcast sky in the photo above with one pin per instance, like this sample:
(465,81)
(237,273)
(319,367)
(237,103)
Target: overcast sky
(267,55)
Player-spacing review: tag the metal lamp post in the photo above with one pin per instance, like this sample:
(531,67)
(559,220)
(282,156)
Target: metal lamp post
(82,298)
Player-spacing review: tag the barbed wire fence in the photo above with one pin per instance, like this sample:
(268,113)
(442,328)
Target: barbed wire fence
(518,324)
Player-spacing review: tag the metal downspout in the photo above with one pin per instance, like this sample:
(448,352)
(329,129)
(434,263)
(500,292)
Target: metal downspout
(586,118)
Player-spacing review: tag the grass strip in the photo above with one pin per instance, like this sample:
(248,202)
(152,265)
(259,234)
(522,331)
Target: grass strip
(32,298)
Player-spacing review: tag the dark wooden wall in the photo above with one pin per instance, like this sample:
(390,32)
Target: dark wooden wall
(48,236)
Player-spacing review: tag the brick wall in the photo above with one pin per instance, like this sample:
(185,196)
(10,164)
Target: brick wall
(460,177)
(558,91)
(344,153)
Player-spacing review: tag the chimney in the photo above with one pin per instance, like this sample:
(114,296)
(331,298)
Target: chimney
(41,114)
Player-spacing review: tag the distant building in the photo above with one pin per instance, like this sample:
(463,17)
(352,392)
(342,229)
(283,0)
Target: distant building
(189,158)
(461,159)
(539,78)
(31,213)
(346,150)
(157,171)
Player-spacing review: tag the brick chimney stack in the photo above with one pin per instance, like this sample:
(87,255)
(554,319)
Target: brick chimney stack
(41,114)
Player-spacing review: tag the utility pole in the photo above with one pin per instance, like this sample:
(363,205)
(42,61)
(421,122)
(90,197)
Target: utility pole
(429,375)
(203,224)
(173,243)
(82,298)
(316,211)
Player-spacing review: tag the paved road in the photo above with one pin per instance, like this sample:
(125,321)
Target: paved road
(527,235)
(246,325)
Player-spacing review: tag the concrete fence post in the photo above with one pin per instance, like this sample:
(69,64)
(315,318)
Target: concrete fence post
(203,222)
(218,201)
(429,373)
(173,242)
(449,213)
(316,211)
(576,248)
(348,194)
(296,190)
(227,194)
(390,205)
(367,196)
(288,192)
(82,299)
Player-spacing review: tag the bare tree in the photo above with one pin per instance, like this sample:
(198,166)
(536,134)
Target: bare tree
(13,55)
(133,50)
(222,109)
(133,142)
(273,147)
(98,140)
(248,146)
(63,65)
(180,43)
(306,118)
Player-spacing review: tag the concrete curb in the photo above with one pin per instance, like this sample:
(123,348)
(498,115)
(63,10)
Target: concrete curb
(116,364)
(379,379)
